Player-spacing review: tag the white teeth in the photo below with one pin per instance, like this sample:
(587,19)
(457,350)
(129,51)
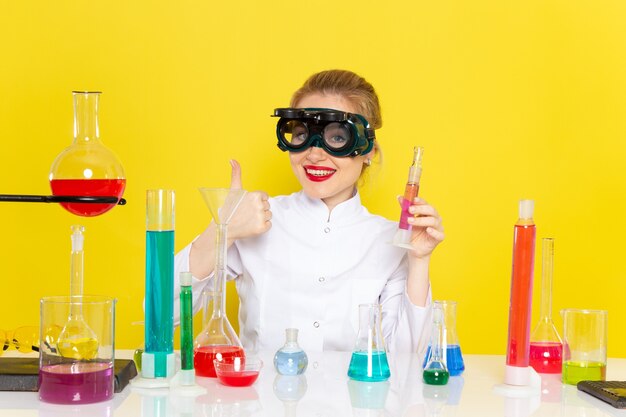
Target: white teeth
(319,172)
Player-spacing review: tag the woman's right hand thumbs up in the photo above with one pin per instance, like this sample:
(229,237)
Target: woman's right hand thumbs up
(253,216)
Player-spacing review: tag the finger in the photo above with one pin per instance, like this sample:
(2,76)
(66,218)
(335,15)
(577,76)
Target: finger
(435,234)
(426,221)
(423,210)
(235,176)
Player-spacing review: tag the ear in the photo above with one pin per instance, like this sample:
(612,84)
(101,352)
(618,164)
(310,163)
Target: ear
(372,154)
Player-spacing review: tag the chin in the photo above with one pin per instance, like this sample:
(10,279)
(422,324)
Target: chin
(313,193)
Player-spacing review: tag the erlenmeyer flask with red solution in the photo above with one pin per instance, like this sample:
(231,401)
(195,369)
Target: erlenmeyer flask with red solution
(217,340)
(87,167)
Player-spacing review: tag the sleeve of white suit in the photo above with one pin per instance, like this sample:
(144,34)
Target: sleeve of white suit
(181,264)
(406,327)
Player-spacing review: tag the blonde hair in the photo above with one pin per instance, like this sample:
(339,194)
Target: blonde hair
(347,84)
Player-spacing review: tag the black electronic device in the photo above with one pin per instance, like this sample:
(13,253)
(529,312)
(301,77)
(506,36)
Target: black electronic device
(612,392)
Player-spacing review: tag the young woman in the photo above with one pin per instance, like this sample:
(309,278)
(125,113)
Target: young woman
(307,260)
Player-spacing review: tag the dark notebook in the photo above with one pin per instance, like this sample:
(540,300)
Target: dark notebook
(22,374)
(612,392)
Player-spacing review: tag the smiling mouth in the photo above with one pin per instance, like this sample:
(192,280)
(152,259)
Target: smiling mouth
(318,173)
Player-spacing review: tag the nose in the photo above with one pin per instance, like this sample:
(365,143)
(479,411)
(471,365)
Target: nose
(315,154)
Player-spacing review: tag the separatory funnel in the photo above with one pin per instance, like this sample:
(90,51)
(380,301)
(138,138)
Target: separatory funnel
(546,347)
(218,340)
(87,168)
(369,357)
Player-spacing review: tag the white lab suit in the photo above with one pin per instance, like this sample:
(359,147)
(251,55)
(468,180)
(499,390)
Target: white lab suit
(311,271)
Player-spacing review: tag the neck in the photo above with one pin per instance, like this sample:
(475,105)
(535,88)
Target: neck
(333,201)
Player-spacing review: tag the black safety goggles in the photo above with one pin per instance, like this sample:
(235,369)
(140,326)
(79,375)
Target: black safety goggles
(338,133)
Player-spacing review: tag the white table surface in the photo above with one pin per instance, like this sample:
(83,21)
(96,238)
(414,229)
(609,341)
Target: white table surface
(325,390)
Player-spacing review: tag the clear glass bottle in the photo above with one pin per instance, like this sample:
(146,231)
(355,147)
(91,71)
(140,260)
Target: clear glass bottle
(369,357)
(291,359)
(435,371)
(87,167)
(452,348)
(218,339)
(546,346)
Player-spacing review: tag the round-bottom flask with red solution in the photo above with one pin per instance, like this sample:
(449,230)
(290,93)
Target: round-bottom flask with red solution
(87,167)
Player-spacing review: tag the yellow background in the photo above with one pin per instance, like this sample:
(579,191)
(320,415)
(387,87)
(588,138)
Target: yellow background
(510,100)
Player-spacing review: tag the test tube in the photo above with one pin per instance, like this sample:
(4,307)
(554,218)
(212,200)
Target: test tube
(402,238)
(188,375)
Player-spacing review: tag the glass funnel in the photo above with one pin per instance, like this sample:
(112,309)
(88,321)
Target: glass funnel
(87,167)
(369,357)
(217,340)
(546,346)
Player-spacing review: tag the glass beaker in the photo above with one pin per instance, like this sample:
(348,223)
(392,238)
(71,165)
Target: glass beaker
(452,350)
(546,347)
(218,339)
(87,167)
(158,360)
(369,357)
(291,359)
(584,345)
(72,380)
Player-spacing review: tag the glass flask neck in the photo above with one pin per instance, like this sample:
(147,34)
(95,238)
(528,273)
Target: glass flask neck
(291,338)
(219,294)
(86,129)
(370,331)
(449,320)
(438,336)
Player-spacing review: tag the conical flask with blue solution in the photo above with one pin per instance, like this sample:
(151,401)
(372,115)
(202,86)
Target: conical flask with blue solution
(452,349)
(369,357)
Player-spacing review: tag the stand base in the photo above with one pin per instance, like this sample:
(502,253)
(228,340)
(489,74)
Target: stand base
(150,383)
(151,361)
(519,382)
(184,384)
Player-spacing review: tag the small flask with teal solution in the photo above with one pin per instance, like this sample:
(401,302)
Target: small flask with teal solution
(291,359)
(369,357)
(435,371)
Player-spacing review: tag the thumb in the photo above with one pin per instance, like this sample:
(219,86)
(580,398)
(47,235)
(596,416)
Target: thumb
(235,176)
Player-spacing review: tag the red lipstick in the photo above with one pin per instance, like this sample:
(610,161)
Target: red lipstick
(318,173)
